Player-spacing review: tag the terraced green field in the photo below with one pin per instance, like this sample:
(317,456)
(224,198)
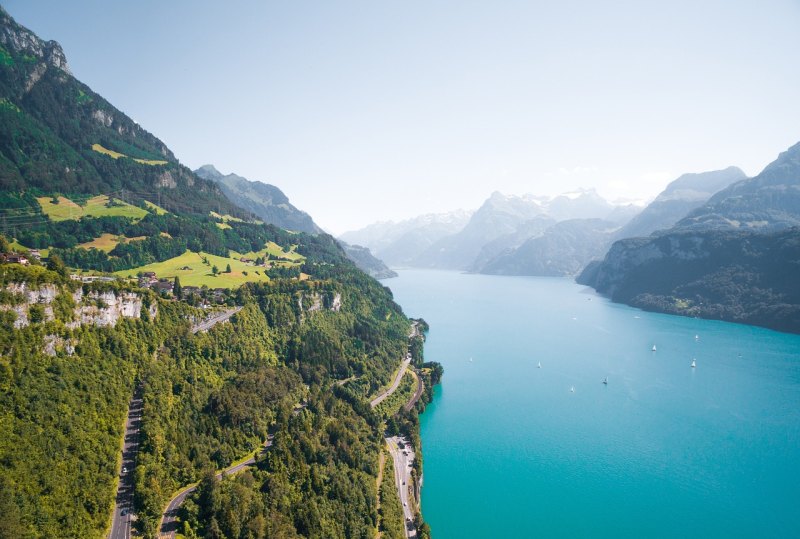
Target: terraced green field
(199,273)
(116,155)
(95,207)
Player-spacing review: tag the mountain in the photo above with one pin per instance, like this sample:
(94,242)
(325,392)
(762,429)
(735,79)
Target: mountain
(398,244)
(505,222)
(737,276)
(256,342)
(56,134)
(499,215)
(580,204)
(734,258)
(265,201)
(272,206)
(529,229)
(769,201)
(688,192)
(562,249)
(366,262)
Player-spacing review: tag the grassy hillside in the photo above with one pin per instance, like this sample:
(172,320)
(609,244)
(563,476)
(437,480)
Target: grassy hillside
(98,206)
(195,269)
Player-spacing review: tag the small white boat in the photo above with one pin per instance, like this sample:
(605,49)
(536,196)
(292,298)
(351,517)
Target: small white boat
(470,360)
(605,381)
(539,366)
(572,389)
(654,348)
(697,337)
(694,363)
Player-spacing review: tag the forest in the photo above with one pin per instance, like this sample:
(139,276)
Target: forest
(209,399)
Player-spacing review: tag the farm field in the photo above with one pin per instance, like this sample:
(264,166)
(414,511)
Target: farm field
(274,251)
(199,273)
(116,155)
(106,242)
(95,207)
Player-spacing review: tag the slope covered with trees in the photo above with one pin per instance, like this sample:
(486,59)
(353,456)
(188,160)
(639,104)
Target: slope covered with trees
(210,398)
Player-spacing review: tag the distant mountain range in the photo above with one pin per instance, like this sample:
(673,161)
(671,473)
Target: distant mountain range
(735,257)
(483,240)
(399,244)
(562,249)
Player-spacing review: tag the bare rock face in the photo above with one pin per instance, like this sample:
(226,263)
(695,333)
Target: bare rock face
(54,343)
(22,41)
(103,117)
(166,180)
(107,309)
(336,305)
(316,301)
(95,308)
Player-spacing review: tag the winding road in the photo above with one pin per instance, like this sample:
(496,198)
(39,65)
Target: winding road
(417,394)
(380,398)
(169,520)
(208,323)
(403,459)
(123,504)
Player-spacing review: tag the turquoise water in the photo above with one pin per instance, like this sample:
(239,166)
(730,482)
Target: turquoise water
(664,450)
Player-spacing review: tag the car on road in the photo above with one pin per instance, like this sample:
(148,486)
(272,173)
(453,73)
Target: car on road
(123,512)
(124,469)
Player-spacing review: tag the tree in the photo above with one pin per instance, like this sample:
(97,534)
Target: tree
(36,313)
(176,288)
(228,268)
(54,263)
(215,270)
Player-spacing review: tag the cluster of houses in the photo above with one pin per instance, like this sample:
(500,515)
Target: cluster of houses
(149,279)
(16,258)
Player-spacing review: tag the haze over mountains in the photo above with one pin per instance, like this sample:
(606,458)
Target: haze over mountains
(504,222)
(680,197)
(535,235)
(735,258)
(266,201)
(272,206)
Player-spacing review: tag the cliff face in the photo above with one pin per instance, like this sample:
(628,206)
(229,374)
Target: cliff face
(735,276)
(95,308)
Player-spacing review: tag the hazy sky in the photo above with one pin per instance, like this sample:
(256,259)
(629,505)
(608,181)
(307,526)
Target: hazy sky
(374,110)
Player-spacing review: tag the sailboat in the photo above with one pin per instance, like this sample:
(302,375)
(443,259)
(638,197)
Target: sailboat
(605,380)
(470,359)
(697,337)
(654,348)
(572,389)
(539,366)
(694,363)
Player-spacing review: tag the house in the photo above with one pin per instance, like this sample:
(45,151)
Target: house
(190,290)
(163,286)
(14,258)
(34,253)
(147,279)
(92,278)
(219,294)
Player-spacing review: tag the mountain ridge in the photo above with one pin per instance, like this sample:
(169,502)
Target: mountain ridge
(734,258)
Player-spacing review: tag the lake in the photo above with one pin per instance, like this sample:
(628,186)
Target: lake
(662,450)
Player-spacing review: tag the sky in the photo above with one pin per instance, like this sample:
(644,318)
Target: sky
(363,111)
